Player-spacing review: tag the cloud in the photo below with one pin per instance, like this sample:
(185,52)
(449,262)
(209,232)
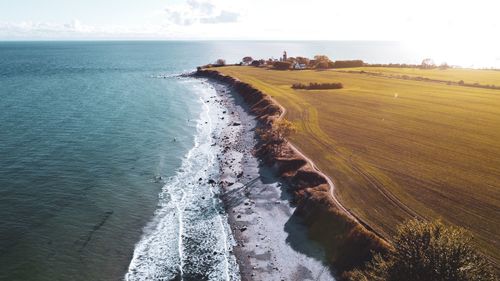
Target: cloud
(180,18)
(203,6)
(44,28)
(73,29)
(199,11)
(223,17)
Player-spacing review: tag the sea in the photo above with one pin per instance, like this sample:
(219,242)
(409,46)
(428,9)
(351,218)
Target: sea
(100,146)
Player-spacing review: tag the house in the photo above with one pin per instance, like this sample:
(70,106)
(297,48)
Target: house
(297,65)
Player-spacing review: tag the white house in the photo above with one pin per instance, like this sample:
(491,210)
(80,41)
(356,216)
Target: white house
(297,65)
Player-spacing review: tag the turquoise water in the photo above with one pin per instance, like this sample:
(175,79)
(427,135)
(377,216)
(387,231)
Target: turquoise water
(85,131)
(97,136)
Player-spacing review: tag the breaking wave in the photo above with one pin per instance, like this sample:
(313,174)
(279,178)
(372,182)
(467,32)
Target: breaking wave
(189,237)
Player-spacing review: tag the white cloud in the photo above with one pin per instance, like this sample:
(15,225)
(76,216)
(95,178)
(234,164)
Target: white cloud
(193,12)
(73,30)
(178,17)
(223,17)
(203,6)
(43,28)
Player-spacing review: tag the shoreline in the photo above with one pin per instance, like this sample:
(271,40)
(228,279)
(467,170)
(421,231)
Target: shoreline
(346,242)
(189,236)
(271,240)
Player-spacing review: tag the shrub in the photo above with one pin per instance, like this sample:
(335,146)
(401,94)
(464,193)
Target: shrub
(220,62)
(276,135)
(303,60)
(282,65)
(291,60)
(348,63)
(256,63)
(319,58)
(322,65)
(322,62)
(317,86)
(283,129)
(428,251)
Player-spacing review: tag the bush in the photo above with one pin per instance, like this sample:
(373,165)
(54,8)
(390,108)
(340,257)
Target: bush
(322,65)
(220,62)
(322,62)
(428,251)
(303,60)
(276,135)
(282,65)
(256,63)
(317,86)
(319,58)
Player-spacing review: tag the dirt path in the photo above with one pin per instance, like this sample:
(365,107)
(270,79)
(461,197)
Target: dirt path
(331,184)
(311,163)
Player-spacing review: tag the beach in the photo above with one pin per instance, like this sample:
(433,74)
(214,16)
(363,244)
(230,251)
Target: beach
(271,242)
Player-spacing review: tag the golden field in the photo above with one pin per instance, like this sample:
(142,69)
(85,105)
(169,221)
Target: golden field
(469,76)
(400,148)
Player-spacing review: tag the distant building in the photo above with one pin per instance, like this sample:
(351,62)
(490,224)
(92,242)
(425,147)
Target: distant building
(285,57)
(297,65)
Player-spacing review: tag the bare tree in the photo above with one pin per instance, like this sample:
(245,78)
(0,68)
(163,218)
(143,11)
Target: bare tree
(428,63)
(220,62)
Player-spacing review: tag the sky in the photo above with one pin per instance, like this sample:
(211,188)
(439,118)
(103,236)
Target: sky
(418,21)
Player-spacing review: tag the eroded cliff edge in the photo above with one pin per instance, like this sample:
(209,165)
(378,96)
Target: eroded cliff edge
(348,244)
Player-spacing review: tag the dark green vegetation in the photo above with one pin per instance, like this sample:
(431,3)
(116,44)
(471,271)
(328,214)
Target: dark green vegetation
(282,65)
(428,251)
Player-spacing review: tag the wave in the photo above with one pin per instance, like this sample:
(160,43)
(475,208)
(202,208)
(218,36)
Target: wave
(183,74)
(189,237)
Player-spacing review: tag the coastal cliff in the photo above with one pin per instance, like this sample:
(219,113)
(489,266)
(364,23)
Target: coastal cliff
(347,243)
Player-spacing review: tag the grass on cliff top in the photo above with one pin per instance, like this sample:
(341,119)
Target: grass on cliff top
(396,148)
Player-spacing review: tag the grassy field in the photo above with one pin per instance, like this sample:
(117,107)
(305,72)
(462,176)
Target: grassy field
(483,77)
(400,148)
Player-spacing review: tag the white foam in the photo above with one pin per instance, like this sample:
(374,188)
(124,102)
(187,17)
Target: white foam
(189,235)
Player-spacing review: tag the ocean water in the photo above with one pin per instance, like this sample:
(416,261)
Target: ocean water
(86,130)
(101,151)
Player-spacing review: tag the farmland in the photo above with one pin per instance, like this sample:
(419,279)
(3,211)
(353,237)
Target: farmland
(399,148)
(483,77)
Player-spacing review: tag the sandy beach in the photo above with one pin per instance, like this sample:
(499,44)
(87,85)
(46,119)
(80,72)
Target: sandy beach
(271,242)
